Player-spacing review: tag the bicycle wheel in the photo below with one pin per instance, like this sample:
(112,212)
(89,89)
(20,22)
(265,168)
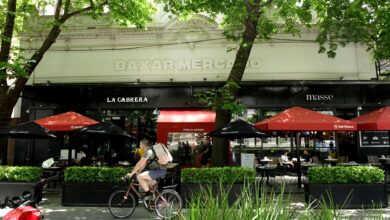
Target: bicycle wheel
(119,206)
(168,204)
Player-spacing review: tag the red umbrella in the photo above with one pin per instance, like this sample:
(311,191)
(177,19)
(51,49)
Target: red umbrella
(301,119)
(378,120)
(67,121)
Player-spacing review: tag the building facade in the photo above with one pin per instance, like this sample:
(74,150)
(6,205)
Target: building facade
(100,69)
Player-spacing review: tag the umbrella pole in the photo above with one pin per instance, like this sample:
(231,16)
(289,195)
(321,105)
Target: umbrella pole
(299,171)
(28,153)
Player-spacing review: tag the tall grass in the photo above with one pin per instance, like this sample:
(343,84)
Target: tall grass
(255,203)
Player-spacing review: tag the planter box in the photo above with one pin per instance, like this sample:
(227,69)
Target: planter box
(86,194)
(187,191)
(12,189)
(360,195)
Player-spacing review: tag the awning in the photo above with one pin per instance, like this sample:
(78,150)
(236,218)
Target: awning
(378,120)
(67,121)
(183,121)
(301,119)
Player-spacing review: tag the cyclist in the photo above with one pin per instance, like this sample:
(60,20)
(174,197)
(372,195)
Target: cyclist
(147,177)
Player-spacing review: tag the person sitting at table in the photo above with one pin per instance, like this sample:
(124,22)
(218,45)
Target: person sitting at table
(285,160)
(307,157)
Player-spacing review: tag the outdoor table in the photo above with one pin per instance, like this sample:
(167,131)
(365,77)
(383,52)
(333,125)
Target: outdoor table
(305,166)
(385,163)
(265,171)
(350,164)
(331,161)
(265,161)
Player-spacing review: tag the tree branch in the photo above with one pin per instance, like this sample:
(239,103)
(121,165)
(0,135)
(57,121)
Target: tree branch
(58,10)
(247,6)
(67,16)
(66,8)
(7,37)
(266,3)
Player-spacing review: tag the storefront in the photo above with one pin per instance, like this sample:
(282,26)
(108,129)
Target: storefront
(344,99)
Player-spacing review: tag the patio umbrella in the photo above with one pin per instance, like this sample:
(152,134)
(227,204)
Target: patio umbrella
(105,129)
(66,122)
(29,130)
(378,120)
(300,119)
(237,130)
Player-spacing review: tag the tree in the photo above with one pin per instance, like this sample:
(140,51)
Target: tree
(248,21)
(244,22)
(13,66)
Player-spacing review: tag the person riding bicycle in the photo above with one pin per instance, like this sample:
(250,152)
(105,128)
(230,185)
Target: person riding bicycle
(153,171)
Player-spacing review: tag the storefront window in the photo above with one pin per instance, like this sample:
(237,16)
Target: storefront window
(189,149)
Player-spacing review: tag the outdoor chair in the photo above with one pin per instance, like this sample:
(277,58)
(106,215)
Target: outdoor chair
(342,159)
(373,160)
(316,160)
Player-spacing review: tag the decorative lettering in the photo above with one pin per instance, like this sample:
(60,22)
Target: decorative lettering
(319,97)
(179,64)
(121,99)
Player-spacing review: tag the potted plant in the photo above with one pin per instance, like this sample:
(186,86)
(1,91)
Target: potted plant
(228,179)
(15,180)
(347,187)
(90,186)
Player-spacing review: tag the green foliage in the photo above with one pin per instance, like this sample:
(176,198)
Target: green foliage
(275,16)
(95,174)
(345,175)
(224,175)
(363,21)
(122,12)
(222,98)
(19,174)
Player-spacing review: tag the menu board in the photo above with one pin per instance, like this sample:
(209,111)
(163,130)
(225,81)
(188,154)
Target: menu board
(247,160)
(375,138)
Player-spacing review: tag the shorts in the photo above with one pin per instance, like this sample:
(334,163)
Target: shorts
(157,173)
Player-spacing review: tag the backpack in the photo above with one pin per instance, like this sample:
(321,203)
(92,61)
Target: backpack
(163,155)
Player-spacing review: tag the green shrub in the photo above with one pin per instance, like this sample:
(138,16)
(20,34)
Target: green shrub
(344,175)
(225,175)
(19,174)
(95,174)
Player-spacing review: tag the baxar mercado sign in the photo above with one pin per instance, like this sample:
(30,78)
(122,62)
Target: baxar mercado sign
(126,99)
(179,64)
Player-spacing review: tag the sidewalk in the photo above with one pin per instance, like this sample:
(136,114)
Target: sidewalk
(52,210)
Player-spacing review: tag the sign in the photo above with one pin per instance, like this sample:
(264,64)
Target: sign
(179,64)
(375,138)
(122,99)
(319,97)
(247,160)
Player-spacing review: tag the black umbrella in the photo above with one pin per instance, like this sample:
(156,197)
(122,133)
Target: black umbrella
(104,129)
(237,130)
(27,130)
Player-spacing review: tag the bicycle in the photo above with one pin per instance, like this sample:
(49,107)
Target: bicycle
(167,203)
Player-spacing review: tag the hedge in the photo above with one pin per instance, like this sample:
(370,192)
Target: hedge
(19,174)
(224,175)
(95,174)
(345,175)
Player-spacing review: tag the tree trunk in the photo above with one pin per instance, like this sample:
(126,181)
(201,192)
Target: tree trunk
(221,145)
(220,150)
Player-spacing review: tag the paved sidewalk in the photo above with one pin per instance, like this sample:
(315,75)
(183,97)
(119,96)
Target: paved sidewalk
(52,210)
